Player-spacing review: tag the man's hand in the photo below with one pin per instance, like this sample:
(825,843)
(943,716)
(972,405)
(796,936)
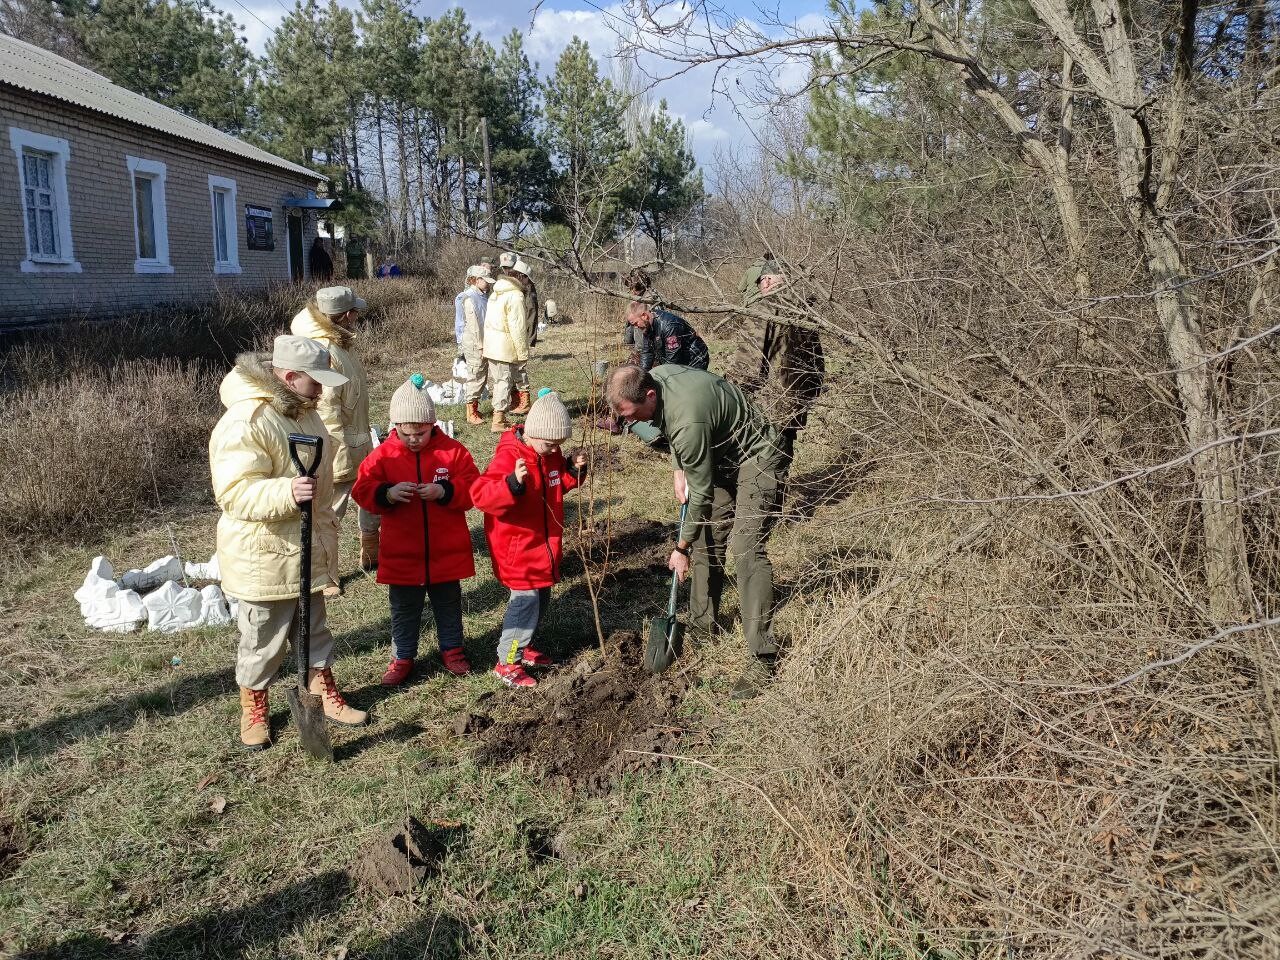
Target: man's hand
(579,460)
(402,492)
(679,564)
(304,489)
(430,491)
(682,489)
(521,471)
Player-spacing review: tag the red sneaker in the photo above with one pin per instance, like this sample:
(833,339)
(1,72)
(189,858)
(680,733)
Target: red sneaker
(534,658)
(513,675)
(397,673)
(455,661)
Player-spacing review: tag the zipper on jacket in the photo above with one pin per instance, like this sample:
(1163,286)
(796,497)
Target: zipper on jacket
(546,521)
(426,556)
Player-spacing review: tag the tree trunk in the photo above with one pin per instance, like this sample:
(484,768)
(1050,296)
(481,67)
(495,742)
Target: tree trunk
(402,161)
(382,153)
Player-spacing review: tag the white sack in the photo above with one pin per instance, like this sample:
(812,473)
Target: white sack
(460,370)
(166,568)
(204,571)
(99,584)
(118,613)
(172,608)
(213,607)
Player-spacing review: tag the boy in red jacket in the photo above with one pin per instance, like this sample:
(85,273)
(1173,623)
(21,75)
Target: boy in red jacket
(419,481)
(522,496)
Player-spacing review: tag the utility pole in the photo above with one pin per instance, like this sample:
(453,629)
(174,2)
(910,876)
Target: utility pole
(488,179)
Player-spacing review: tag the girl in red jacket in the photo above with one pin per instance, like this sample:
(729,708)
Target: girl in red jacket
(522,496)
(419,481)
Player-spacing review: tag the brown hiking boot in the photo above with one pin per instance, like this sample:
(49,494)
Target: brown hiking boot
(525,403)
(321,683)
(499,424)
(473,413)
(255,729)
(369,551)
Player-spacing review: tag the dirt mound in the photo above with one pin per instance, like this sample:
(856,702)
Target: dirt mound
(588,723)
(398,862)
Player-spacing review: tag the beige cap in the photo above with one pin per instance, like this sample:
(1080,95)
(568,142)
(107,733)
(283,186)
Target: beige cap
(335,300)
(506,260)
(480,270)
(304,355)
(411,403)
(548,418)
(521,267)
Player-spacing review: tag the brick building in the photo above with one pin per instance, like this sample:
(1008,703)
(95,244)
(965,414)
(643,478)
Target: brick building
(114,202)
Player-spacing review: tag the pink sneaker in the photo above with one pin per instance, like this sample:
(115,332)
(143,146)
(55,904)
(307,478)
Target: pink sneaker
(513,675)
(397,673)
(534,658)
(455,661)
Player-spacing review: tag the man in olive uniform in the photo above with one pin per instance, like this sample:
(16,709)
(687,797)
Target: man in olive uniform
(779,365)
(729,468)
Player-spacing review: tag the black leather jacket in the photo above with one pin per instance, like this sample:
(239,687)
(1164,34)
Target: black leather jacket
(670,339)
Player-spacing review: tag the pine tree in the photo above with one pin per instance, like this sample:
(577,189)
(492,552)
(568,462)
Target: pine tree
(584,131)
(302,109)
(520,158)
(391,50)
(665,183)
(184,53)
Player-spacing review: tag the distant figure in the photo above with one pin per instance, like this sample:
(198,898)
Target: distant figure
(320,261)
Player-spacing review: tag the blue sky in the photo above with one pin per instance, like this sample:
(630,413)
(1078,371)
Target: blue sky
(715,123)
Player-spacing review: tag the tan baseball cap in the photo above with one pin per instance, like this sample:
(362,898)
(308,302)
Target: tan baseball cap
(521,267)
(336,300)
(304,355)
(481,271)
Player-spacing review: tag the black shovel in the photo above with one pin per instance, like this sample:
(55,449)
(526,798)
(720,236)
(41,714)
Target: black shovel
(307,707)
(666,634)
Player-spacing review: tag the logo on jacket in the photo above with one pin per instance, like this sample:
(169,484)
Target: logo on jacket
(442,471)
(553,478)
(673,343)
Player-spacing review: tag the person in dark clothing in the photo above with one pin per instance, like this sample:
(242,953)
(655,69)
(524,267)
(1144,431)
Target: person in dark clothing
(320,261)
(666,338)
(778,364)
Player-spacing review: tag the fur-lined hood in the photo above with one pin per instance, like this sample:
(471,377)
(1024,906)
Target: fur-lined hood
(310,322)
(252,379)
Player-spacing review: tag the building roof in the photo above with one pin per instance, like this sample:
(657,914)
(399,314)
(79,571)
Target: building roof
(39,71)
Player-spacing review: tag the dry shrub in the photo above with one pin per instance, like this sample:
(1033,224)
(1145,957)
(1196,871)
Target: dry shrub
(95,448)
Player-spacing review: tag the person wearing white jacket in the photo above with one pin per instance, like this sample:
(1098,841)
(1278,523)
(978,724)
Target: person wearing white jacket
(268,397)
(506,341)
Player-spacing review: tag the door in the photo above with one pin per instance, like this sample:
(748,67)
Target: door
(295,249)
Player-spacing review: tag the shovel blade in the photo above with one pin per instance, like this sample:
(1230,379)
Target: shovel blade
(665,636)
(308,717)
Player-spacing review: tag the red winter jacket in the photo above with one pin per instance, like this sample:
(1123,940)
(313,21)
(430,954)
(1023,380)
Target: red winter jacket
(524,522)
(422,542)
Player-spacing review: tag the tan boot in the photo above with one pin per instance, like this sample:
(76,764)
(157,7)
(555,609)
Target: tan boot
(255,730)
(369,551)
(525,403)
(473,413)
(499,424)
(321,683)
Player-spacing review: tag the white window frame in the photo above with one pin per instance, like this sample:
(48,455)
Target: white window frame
(230,266)
(154,171)
(59,150)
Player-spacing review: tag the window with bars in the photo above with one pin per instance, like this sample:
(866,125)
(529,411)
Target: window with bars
(41,202)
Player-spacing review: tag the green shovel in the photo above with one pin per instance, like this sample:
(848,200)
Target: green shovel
(666,634)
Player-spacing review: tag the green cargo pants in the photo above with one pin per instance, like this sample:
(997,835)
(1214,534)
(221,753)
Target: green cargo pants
(741,520)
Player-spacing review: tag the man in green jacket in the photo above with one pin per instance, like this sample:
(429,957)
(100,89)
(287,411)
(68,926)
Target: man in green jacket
(779,365)
(730,466)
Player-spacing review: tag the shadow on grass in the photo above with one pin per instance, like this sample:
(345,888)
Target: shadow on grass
(825,486)
(227,934)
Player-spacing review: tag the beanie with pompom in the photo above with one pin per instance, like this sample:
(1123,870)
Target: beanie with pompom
(548,419)
(411,403)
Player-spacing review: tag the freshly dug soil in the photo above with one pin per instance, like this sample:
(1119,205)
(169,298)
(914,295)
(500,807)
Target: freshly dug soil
(398,862)
(589,722)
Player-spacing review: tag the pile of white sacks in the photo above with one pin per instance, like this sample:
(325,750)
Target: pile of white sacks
(153,595)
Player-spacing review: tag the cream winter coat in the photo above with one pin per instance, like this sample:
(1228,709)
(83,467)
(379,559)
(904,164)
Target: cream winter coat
(260,531)
(506,332)
(344,409)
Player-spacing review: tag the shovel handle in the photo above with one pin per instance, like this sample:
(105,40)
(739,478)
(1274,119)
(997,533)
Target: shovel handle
(302,648)
(675,580)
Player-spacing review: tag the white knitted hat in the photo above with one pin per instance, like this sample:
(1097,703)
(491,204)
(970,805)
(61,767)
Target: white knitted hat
(411,403)
(548,419)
